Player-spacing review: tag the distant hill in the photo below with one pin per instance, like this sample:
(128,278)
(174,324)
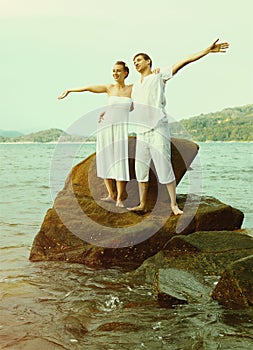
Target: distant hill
(44,136)
(230,124)
(10,133)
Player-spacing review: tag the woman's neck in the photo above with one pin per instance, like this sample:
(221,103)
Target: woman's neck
(120,85)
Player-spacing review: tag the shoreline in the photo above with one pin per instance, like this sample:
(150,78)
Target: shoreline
(93,142)
(45,143)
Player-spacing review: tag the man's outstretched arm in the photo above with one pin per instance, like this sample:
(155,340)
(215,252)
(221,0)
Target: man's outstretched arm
(215,47)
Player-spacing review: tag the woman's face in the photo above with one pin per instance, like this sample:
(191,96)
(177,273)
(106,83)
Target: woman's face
(118,73)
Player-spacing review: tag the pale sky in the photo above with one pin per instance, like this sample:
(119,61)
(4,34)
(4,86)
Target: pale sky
(50,45)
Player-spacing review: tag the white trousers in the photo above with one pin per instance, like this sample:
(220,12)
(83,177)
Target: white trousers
(154,145)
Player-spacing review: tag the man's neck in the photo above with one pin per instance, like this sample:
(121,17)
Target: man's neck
(146,72)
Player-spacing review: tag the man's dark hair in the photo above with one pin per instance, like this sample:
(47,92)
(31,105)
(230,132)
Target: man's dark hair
(145,56)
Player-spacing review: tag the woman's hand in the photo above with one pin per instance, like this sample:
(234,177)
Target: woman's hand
(155,71)
(64,94)
(221,47)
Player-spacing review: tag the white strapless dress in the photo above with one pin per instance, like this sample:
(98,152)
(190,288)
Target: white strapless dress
(112,140)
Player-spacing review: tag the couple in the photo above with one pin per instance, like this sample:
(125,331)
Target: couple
(147,96)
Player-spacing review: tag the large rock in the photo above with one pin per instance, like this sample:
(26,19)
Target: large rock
(235,287)
(100,246)
(81,228)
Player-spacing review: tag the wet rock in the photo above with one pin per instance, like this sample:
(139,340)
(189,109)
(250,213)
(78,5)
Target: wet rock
(235,287)
(205,253)
(209,214)
(174,286)
(80,228)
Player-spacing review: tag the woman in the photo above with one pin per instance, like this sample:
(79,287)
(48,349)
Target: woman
(112,136)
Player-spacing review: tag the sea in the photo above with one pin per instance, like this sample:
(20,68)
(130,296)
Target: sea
(57,305)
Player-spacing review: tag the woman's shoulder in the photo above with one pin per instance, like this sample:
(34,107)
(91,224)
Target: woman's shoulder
(110,86)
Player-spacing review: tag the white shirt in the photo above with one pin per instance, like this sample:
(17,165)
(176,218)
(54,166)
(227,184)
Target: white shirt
(149,98)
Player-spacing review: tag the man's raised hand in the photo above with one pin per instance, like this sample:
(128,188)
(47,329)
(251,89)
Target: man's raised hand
(218,47)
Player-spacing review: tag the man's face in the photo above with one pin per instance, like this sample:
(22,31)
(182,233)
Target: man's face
(141,64)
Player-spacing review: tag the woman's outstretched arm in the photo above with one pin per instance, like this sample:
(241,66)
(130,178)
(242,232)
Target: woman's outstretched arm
(215,47)
(94,88)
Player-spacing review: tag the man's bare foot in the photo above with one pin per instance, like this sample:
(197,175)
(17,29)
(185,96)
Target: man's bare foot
(176,210)
(108,199)
(119,204)
(138,209)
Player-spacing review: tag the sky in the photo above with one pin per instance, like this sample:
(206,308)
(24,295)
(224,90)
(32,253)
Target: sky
(48,46)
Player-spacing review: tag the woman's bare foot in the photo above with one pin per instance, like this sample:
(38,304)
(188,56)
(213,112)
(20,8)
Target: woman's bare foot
(176,210)
(108,199)
(119,204)
(138,209)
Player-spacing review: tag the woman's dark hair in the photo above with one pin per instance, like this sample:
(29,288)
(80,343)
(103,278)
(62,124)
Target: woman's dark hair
(145,56)
(124,65)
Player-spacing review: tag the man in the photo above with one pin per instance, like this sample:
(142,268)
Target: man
(153,138)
